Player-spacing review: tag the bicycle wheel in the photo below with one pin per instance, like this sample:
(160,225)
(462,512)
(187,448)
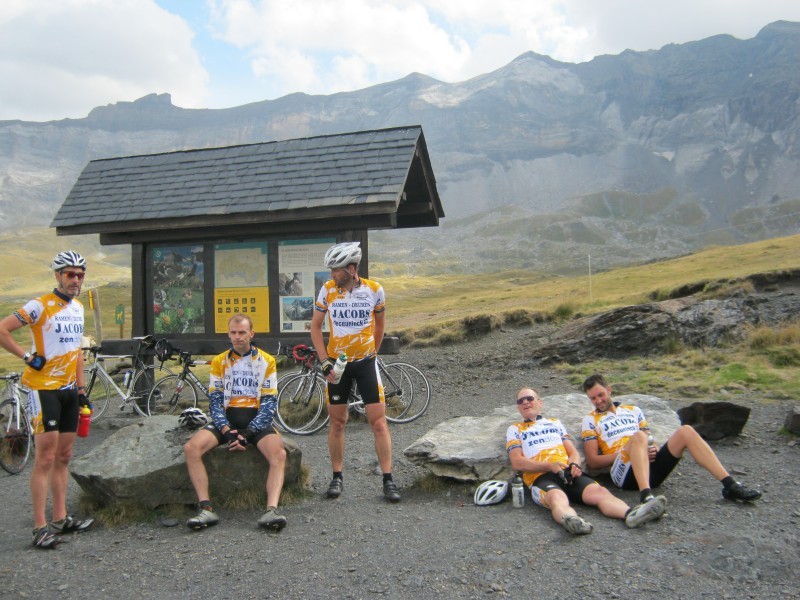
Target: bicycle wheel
(97,391)
(16,441)
(143,383)
(407,392)
(302,409)
(171,394)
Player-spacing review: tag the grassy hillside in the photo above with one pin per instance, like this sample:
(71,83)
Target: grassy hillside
(424,309)
(417,302)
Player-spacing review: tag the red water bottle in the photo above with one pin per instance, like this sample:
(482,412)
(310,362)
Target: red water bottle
(84,421)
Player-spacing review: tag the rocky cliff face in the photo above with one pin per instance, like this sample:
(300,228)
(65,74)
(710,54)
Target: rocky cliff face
(639,155)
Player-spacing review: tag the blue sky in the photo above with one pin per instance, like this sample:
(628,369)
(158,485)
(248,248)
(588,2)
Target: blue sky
(61,58)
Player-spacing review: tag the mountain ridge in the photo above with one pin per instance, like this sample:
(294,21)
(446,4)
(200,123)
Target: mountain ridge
(703,136)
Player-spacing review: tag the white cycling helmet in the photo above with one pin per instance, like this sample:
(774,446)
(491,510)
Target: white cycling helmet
(341,255)
(193,418)
(491,492)
(68,258)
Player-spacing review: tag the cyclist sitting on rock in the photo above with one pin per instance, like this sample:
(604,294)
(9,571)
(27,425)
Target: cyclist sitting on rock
(242,398)
(541,449)
(54,374)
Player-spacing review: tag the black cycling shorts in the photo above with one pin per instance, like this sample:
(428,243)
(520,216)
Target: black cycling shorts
(660,469)
(365,374)
(54,410)
(239,419)
(574,492)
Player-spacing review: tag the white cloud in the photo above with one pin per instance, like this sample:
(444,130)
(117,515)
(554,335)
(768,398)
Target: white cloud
(61,58)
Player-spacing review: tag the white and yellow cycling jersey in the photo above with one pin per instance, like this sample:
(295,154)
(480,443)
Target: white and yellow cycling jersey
(351,316)
(243,380)
(612,430)
(541,440)
(56,323)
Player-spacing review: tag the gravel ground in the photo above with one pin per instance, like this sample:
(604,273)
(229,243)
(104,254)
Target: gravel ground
(437,543)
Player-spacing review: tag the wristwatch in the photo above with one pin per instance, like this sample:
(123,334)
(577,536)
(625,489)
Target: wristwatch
(26,356)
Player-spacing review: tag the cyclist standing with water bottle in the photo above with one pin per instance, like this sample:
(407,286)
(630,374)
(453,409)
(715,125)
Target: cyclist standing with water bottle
(356,311)
(54,374)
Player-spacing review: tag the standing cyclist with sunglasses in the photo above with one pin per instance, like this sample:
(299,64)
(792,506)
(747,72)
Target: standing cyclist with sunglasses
(54,374)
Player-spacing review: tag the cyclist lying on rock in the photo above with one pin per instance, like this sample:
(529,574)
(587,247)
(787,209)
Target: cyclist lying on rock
(242,392)
(541,449)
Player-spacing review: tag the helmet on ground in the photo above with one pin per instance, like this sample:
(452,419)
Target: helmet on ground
(341,255)
(68,258)
(491,492)
(193,418)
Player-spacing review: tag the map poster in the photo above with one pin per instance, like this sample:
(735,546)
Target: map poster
(241,284)
(301,275)
(178,301)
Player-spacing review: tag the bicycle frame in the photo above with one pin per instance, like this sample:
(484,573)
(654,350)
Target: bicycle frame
(17,434)
(96,373)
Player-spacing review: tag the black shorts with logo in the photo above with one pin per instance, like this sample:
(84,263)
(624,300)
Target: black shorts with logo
(54,410)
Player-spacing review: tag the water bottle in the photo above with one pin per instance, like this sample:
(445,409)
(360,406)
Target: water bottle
(517,492)
(84,420)
(650,440)
(338,367)
(126,379)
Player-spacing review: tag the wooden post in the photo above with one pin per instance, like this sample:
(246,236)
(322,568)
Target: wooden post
(94,304)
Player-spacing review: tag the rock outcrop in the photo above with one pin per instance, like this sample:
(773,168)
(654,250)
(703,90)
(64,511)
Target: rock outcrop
(649,329)
(143,464)
(473,448)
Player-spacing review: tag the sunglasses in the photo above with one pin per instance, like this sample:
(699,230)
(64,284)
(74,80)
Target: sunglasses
(526,398)
(79,275)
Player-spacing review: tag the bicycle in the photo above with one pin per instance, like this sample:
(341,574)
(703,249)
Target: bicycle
(173,391)
(15,427)
(302,406)
(137,383)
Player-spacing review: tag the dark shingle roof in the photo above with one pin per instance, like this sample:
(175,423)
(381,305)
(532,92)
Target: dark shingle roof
(347,175)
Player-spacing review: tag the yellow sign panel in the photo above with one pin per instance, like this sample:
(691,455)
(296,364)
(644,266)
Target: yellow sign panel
(250,301)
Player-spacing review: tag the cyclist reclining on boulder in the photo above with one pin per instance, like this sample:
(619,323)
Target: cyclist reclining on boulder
(541,449)
(615,437)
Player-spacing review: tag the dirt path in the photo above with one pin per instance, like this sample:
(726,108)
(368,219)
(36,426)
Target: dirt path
(437,544)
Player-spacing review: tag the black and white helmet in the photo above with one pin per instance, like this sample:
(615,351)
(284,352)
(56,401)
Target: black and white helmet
(489,492)
(344,254)
(193,418)
(68,258)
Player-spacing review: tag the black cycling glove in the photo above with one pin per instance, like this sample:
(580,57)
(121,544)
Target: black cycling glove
(327,366)
(83,400)
(37,362)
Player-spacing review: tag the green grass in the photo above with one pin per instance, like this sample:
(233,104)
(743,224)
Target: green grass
(688,374)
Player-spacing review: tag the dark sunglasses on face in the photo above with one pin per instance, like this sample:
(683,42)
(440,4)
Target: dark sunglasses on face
(79,275)
(524,398)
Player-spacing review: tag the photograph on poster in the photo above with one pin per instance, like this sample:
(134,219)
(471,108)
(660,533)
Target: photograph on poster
(178,276)
(291,284)
(301,266)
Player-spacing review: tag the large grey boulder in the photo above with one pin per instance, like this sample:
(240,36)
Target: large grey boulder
(473,448)
(143,464)
(792,423)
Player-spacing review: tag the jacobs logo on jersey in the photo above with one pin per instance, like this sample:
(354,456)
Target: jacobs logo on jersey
(68,328)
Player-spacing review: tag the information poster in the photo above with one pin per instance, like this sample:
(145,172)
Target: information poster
(301,275)
(240,284)
(178,305)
